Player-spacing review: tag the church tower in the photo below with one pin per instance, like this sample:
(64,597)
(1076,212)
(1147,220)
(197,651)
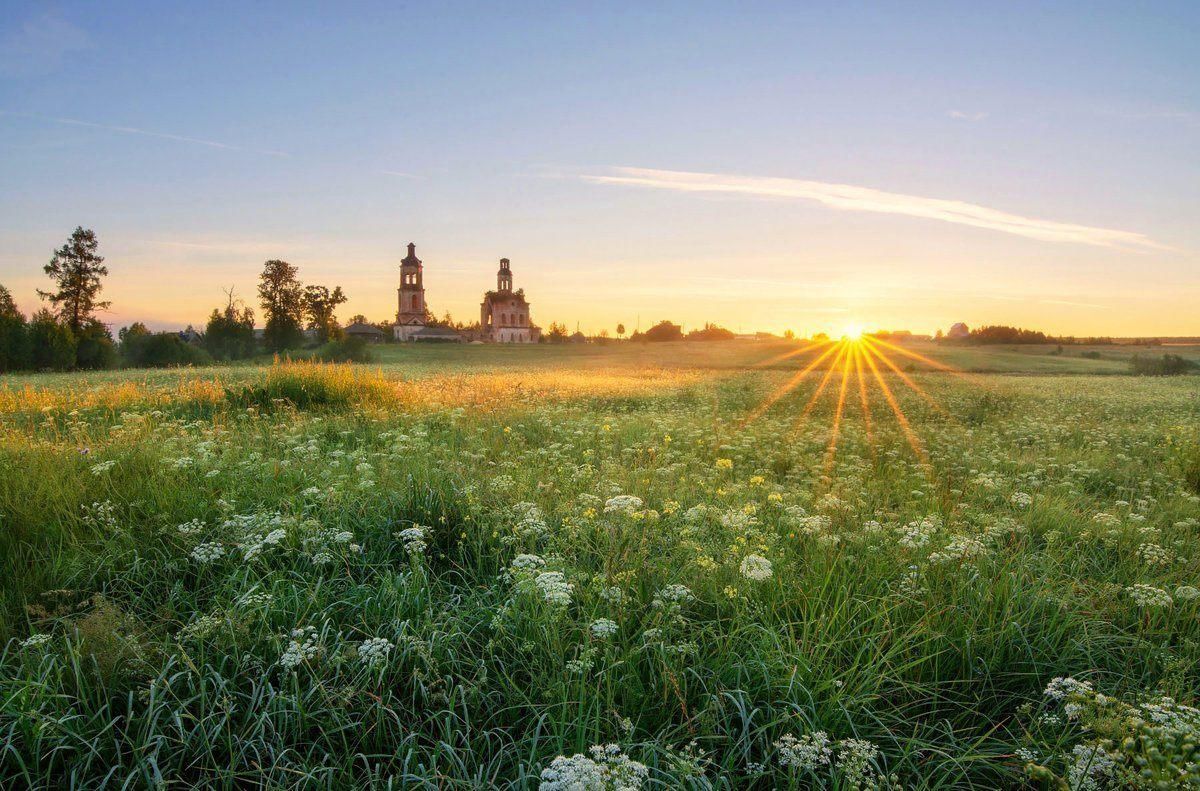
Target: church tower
(504,277)
(412,291)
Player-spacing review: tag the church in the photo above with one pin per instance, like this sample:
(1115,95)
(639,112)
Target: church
(503,315)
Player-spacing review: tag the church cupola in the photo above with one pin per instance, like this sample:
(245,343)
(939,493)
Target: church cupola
(504,277)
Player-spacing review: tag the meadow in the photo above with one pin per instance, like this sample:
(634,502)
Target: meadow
(604,567)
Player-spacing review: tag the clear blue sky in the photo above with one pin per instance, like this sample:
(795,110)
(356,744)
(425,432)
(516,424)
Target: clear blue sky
(200,139)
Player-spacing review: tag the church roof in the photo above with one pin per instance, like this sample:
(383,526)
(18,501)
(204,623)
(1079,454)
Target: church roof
(504,296)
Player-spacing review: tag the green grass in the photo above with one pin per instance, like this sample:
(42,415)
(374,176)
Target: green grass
(168,531)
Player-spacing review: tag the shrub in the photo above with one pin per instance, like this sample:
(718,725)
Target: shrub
(160,350)
(1167,365)
(15,353)
(343,350)
(307,384)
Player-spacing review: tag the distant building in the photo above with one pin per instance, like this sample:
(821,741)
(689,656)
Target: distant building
(504,313)
(958,331)
(410,315)
(368,332)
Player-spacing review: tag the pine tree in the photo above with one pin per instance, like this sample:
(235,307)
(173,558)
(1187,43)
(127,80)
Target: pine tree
(76,270)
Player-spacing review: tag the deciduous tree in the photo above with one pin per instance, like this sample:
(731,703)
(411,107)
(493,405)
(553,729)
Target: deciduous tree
(282,299)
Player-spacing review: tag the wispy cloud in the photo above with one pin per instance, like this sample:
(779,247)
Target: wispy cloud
(40,45)
(851,198)
(132,130)
(963,115)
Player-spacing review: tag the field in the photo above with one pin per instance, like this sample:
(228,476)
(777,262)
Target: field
(680,566)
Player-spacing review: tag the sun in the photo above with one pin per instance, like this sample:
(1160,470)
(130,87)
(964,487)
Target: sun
(853,331)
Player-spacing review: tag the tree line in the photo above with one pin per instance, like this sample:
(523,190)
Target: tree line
(67,334)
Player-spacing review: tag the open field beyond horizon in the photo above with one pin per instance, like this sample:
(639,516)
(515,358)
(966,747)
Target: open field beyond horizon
(657,566)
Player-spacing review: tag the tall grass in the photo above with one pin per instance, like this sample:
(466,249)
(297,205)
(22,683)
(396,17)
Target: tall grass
(168,548)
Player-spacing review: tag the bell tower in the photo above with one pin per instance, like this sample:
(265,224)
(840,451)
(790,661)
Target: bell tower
(504,277)
(411,294)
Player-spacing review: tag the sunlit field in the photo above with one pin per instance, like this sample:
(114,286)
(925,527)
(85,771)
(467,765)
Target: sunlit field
(731,565)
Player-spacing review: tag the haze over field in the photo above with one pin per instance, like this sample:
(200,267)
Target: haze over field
(788,167)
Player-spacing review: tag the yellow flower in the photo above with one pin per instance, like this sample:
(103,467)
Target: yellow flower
(757,480)
(775,497)
(508,429)
(724,464)
(731,591)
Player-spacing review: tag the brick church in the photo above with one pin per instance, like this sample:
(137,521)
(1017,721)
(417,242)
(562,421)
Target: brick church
(503,314)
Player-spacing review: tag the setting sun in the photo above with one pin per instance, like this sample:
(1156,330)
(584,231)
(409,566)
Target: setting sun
(852,331)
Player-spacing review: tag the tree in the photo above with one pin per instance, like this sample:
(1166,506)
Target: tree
(557,333)
(229,334)
(15,354)
(789,335)
(76,270)
(664,331)
(620,330)
(711,332)
(52,344)
(282,299)
(357,318)
(319,306)
(94,347)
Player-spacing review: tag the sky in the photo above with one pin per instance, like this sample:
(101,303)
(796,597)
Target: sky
(803,166)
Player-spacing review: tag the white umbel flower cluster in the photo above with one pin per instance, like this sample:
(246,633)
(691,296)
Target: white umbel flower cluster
(625,504)
(808,752)
(603,628)
(554,587)
(373,652)
(605,768)
(208,552)
(756,568)
(413,538)
(302,647)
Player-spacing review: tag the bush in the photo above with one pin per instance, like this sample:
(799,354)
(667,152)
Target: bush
(711,332)
(1167,365)
(344,350)
(160,350)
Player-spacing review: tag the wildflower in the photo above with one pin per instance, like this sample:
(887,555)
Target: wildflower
(102,467)
(625,504)
(554,587)
(672,594)
(1063,687)
(724,464)
(36,639)
(807,753)
(1186,593)
(1148,595)
(1021,499)
(756,568)
(373,652)
(413,538)
(302,647)
(854,759)
(607,769)
(208,552)
(612,595)
(603,628)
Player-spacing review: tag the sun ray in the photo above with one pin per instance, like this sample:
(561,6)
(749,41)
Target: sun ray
(812,401)
(906,379)
(831,450)
(913,440)
(863,398)
(789,385)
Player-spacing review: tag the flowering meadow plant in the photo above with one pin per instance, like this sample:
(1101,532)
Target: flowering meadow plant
(603,578)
